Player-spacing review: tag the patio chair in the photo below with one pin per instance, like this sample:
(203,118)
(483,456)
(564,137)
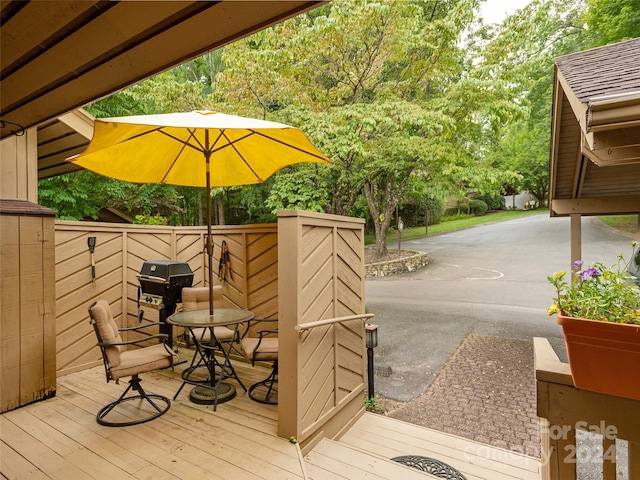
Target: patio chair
(262,348)
(119,363)
(197,298)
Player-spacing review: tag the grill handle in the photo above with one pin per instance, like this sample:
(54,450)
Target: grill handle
(152,279)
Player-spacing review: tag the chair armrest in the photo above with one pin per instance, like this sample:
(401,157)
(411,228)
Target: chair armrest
(262,332)
(261,336)
(163,336)
(254,321)
(139,327)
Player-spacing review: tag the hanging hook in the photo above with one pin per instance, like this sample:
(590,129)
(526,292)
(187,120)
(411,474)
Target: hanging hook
(5,123)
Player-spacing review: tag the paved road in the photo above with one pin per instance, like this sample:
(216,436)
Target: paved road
(489,280)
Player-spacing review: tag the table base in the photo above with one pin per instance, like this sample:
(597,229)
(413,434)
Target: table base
(204,395)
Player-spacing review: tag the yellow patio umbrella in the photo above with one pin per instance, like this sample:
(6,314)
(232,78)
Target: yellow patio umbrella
(198,149)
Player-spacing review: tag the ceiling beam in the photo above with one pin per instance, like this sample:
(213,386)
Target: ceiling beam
(597,206)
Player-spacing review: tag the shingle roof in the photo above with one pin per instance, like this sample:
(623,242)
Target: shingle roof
(605,70)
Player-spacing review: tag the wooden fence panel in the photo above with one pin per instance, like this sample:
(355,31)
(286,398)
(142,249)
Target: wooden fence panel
(322,369)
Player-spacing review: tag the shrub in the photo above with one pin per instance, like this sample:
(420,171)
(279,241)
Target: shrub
(435,207)
(494,202)
(451,211)
(477,207)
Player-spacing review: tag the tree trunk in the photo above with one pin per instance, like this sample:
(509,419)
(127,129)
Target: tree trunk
(200,208)
(220,208)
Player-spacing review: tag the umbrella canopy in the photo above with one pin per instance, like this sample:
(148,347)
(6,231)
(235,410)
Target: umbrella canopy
(173,148)
(198,149)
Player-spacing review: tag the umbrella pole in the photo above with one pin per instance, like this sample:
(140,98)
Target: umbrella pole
(207,155)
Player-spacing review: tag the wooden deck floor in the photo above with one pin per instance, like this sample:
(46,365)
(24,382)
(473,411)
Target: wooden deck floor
(59,438)
(375,439)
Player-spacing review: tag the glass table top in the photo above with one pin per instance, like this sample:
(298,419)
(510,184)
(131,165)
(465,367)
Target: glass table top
(202,318)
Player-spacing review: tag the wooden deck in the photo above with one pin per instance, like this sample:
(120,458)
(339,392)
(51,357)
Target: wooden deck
(59,438)
(375,439)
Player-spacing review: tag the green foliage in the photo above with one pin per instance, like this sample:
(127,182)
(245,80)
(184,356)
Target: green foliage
(477,207)
(80,195)
(298,187)
(520,53)
(414,208)
(150,220)
(72,196)
(613,20)
(413,101)
(373,404)
(435,207)
(597,293)
(494,202)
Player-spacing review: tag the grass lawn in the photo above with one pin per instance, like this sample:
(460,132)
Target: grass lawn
(627,223)
(450,226)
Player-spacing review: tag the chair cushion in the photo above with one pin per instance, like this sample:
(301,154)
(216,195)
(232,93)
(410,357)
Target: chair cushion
(223,334)
(108,330)
(143,360)
(197,298)
(267,352)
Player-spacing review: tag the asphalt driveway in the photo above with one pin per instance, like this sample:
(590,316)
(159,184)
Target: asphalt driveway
(487,280)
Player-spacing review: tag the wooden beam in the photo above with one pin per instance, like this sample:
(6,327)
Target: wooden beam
(629,204)
(612,156)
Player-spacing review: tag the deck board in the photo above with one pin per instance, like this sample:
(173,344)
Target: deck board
(390,438)
(341,459)
(59,438)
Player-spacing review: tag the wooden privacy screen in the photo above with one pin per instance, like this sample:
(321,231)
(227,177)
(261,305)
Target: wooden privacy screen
(322,368)
(120,252)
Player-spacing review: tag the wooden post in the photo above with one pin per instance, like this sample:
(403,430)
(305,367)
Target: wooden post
(576,239)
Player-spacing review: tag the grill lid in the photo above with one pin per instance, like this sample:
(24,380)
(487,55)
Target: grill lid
(164,270)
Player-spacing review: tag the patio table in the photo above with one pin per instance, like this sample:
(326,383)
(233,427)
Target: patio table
(215,390)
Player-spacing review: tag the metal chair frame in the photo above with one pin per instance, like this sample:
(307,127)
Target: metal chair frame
(134,382)
(270,382)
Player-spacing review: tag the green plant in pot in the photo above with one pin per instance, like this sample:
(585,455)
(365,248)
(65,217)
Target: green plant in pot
(599,310)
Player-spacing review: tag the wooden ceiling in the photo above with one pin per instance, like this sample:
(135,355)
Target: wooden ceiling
(60,55)
(595,138)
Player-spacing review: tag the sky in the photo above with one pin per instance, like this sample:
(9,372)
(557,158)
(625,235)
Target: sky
(495,11)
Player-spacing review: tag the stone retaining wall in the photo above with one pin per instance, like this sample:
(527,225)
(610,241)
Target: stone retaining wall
(407,264)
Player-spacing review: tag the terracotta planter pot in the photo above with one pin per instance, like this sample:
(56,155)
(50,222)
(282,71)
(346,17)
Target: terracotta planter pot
(604,357)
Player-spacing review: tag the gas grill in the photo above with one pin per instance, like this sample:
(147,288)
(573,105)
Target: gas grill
(161,284)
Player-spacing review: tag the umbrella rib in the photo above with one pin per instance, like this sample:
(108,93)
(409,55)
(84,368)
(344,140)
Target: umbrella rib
(255,132)
(232,145)
(184,145)
(288,145)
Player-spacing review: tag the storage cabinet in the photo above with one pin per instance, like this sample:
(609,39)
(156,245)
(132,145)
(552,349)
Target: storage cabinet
(27,304)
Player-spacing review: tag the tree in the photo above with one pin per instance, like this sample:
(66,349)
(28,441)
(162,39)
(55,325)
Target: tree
(613,20)
(369,83)
(520,54)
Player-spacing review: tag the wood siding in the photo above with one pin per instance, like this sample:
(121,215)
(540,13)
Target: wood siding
(322,371)
(119,254)
(19,167)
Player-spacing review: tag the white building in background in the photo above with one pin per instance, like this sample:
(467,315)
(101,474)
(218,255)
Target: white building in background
(520,201)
